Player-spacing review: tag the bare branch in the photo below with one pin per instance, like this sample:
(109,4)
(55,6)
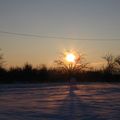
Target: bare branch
(1,60)
(113,63)
(78,65)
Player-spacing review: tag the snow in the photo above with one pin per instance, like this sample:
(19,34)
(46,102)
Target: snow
(85,101)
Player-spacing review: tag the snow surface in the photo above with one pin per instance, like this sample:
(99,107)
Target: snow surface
(96,101)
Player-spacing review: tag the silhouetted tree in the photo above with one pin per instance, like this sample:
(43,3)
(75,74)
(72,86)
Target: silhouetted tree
(117,61)
(71,68)
(27,67)
(1,60)
(110,62)
(43,72)
(27,71)
(113,63)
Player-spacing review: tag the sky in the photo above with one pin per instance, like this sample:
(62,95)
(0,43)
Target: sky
(91,26)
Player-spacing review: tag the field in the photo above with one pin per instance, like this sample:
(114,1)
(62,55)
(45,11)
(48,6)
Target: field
(65,101)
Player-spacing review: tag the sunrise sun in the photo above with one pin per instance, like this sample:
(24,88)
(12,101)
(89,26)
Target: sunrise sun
(70,57)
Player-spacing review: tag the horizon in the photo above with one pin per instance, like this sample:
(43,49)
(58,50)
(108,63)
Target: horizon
(37,31)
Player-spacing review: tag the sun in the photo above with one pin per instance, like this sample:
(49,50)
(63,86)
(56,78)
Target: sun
(70,57)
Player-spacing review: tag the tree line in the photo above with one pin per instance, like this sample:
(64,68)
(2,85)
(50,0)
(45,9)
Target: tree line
(62,72)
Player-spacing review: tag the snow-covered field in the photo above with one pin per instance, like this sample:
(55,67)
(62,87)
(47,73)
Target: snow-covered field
(87,101)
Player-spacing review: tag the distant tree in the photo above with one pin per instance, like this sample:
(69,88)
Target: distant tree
(1,60)
(113,63)
(27,67)
(43,71)
(117,61)
(109,58)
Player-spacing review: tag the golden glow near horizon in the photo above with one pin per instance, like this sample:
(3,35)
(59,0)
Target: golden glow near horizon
(70,57)
(36,31)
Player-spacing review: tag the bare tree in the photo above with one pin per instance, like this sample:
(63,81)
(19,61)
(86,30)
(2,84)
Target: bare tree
(79,64)
(117,61)
(1,60)
(113,63)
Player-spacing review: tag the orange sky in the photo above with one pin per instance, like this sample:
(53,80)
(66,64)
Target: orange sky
(98,20)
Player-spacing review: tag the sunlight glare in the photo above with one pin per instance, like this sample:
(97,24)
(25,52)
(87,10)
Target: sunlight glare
(70,57)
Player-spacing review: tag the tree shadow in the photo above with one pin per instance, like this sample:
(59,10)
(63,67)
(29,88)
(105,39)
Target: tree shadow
(74,108)
(69,107)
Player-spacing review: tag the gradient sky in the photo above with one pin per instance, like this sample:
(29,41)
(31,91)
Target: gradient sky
(84,19)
